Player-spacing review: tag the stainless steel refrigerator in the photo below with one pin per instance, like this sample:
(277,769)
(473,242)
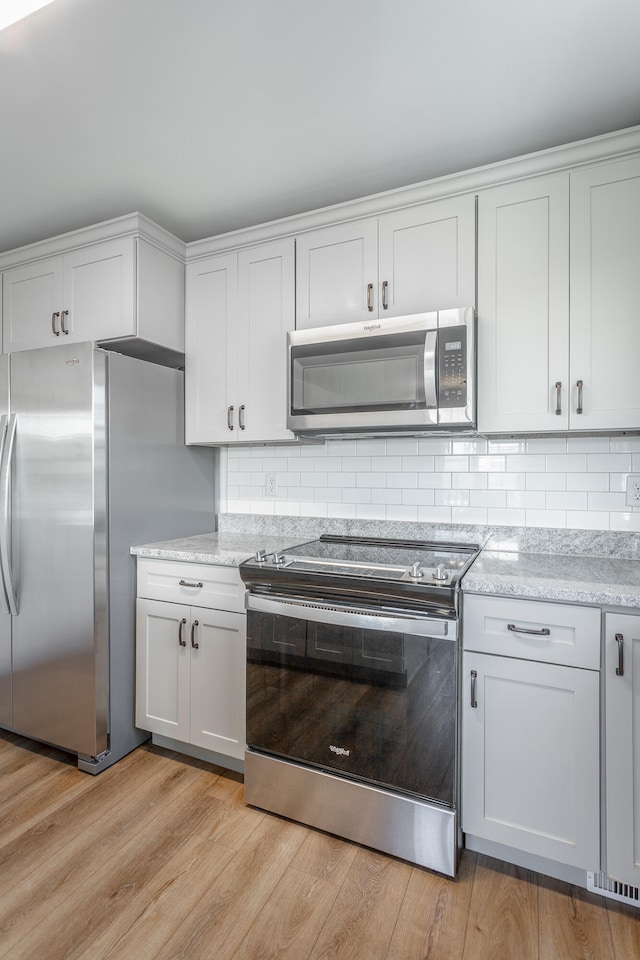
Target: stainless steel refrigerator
(92,460)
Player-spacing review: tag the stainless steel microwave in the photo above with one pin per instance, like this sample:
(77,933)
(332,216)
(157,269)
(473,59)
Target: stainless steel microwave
(403,375)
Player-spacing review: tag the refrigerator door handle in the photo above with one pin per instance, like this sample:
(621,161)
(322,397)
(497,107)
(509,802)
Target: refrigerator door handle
(6,456)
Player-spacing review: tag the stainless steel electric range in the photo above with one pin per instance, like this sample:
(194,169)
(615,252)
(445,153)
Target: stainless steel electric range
(352,682)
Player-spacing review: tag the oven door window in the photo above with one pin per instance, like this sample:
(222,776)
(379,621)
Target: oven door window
(373,705)
(351,376)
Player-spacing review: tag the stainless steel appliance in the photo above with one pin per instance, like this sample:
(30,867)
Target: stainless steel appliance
(352,678)
(91,461)
(411,375)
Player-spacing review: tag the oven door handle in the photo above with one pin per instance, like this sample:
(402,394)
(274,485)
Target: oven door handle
(400,622)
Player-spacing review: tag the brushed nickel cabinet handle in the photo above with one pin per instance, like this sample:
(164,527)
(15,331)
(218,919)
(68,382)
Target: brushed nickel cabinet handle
(194,644)
(558,398)
(385,288)
(620,667)
(181,639)
(543,632)
(55,332)
(191,583)
(230,417)
(369,299)
(474,683)
(64,313)
(241,416)
(579,385)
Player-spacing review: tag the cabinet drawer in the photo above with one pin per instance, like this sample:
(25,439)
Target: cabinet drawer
(561,633)
(198,584)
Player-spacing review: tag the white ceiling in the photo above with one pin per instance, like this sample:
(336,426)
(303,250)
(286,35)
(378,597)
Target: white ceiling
(209,115)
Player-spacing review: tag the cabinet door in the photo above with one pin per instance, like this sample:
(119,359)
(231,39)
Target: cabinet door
(605,293)
(162,668)
(99,291)
(210,350)
(266,307)
(31,296)
(427,257)
(523,306)
(218,681)
(530,761)
(337,274)
(622,738)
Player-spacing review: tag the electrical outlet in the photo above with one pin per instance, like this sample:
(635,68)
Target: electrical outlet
(633,490)
(271,485)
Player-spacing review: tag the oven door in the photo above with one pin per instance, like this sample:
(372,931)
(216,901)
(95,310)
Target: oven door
(367,696)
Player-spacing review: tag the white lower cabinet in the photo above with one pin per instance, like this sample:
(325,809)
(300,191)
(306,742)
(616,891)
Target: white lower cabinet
(531,729)
(622,743)
(190,670)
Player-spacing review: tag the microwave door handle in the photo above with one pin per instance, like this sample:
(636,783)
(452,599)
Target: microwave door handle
(430,352)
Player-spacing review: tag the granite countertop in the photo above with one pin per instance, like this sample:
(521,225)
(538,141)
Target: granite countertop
(223,549)
(593,580)
(538,576)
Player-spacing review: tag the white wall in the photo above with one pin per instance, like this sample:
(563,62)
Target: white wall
(576,483)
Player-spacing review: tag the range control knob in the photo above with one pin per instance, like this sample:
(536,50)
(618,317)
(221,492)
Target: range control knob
(440,572)
(416,571)
(261,556)
(278,557)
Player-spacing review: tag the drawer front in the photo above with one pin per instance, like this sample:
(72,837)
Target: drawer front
(198,584)
(559,633)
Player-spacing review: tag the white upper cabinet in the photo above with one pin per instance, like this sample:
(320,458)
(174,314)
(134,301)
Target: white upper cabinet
(120,288)
(558,302)
(523,306)
(412,260)
(239,308)
(605,295)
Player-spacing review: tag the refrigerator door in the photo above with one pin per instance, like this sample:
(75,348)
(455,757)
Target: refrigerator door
(6,715)
(59,546)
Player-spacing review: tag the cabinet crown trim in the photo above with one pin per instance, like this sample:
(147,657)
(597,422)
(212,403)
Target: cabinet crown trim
(609,146)
(132,224)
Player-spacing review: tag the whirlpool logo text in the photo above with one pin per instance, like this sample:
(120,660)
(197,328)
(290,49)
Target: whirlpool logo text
(339,751)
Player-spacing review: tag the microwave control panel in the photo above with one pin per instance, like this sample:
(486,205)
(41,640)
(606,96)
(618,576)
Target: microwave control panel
(452,367)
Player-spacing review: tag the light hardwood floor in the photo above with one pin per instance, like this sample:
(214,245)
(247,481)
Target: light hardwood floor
(158,858)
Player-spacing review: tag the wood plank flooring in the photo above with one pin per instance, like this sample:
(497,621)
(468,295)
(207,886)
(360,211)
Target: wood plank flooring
(158,858)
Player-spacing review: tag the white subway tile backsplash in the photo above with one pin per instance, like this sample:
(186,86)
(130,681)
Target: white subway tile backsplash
(395,497)
(526,499)
(573,500)
(469,515)
(567,482)
(609,463)
(451,464)
(420,498)
(508,518)
(371,479)
(434,514)
(546,481)
(491,463)
(402,480)
(469,481)
(528,462)
(613,502)
(587,481)
(386,464)
(451,498)
(409,514)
